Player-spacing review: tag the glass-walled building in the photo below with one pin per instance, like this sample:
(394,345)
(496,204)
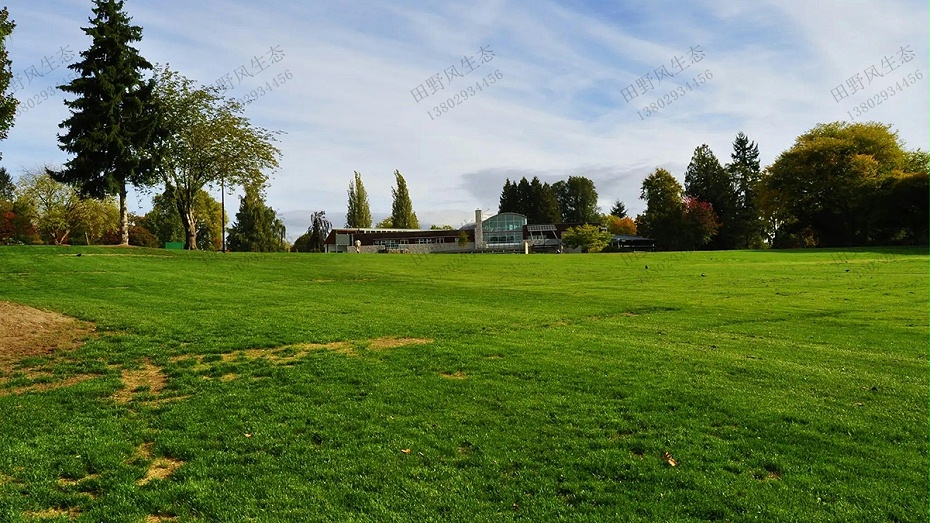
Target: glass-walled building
(504,229)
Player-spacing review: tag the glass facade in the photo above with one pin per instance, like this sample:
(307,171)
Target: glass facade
(505,228)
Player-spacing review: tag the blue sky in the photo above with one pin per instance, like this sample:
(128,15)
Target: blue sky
(562,104)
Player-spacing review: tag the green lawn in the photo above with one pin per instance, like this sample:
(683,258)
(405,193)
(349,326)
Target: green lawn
(785,386)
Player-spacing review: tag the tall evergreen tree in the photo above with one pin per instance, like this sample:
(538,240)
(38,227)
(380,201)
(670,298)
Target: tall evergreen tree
(745,172)
(524,197)
(359,213)
(508,200)
(402,215)
(111,123)
(709,182)
(257,227)
(7,187)
(8,102)
(618,210)
(549,206)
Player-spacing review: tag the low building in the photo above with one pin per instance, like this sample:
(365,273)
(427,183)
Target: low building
(502,232)
(625,243)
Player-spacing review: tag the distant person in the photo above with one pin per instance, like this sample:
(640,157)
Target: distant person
(358,246)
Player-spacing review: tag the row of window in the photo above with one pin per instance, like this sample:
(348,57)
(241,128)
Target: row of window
(393,243)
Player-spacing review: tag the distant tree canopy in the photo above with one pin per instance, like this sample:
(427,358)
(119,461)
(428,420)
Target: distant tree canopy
(839,185)
(568,201)
(257,227)
(533,199)
(577,199)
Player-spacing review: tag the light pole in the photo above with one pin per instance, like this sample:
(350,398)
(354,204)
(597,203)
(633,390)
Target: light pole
(223,206)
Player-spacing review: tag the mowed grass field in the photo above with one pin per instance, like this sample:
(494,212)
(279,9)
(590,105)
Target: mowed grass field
(712,386)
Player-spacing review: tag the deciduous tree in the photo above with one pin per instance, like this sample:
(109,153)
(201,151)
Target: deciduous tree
(359,213)
(663,218)
(830,178)
(625,226)
(57,206)
(577,199)
(402,215)
(589,237)
(8,102)
(318,231)
(208,143)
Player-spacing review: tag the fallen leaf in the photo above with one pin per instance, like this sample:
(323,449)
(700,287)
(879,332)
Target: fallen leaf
(405,451)
(669,459)
(248,435)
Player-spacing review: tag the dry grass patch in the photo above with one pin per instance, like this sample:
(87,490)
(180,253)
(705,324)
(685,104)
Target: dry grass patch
(27,332)
(457,375)
(147,375)
(159,468)
(54,513)
(152,518)
(69,482)
(47,386)
(393,343)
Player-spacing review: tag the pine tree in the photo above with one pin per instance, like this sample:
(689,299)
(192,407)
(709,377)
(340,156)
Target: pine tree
(7,187)
(524,197)
(508,200)
(402,215)
(745,172)
(618,210)
(8,102)
(549,206)
(112,122)
(359,213)
(709,182)
(257,227)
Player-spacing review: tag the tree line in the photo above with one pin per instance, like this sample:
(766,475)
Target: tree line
(840,185)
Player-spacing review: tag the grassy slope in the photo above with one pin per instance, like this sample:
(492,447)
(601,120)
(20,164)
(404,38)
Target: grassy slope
(787,388)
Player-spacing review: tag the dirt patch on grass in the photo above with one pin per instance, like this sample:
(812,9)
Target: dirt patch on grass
(393,343)
(147,375)
(54,513)
(46,386)
(27,332)
(288,354)
(457,375)
(70,482)
(159,468)
(152,518)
